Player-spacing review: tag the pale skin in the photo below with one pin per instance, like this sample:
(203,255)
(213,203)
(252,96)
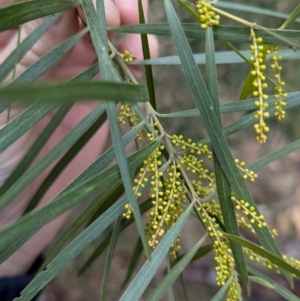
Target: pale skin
(118,12)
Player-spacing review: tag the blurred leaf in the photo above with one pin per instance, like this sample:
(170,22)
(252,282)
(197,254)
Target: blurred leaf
(23,122)
(146,55)
(72,250)
(275,155)
(189,9)
(112,246)
(222,57)
(145,206)
(67,235)
(35,71)
(70,92)
(36,147)
(8,65)
(218,141)
(173,274)
(16,234)
(137,252)
(14,15)
(261,282)
(146,273)
(252,9)
(28,118)
(281,290)
(292,17)
(235,34)
(274,258)
(63,162)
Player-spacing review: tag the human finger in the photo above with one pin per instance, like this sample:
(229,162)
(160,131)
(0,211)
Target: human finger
(129,11)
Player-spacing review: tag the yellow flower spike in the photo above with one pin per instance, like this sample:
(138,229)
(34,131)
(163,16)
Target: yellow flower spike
(280,114)
(207,17)
(258,84)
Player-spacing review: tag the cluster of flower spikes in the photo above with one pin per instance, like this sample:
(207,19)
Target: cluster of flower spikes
(259,84)
(168,194)
(225,266)
(207,16)
(127,112)
(280,93)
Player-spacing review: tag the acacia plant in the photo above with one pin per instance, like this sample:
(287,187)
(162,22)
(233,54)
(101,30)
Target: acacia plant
(169,178)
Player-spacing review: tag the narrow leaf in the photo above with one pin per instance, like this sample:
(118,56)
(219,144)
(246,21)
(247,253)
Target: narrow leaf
(8,65)
(146,55)
(137,252)
(172,275)
(281,290)
(70,92)
(72,250)
(14,15)
(146,273)
(109,258)
(234,34)
(292,17)
(223,187)
(274,258)
(35,148)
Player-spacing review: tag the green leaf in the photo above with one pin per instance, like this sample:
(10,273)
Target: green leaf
(222,57)
(23,122)
(16,234)
(292,17)
(274,258)
(63,162)
(234,34)
(28,118)
(223,187)
(263,279)
(205,106)
(252,9)
(35,148)
(261,282)
(137,252)
(108,72)
(8,65)
(275,155)
(14,15)
(146,273)
(173,274)
(109,258)
(66,236)
(145,206)
(35,71)
(72,250)
(70,92)
(146,55)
